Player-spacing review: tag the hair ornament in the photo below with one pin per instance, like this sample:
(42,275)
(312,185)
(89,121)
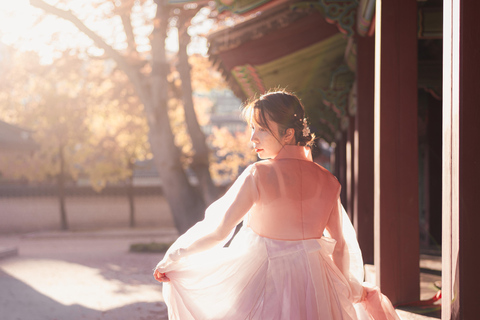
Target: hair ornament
(306,129)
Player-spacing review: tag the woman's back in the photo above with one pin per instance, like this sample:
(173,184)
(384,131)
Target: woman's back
(296,196)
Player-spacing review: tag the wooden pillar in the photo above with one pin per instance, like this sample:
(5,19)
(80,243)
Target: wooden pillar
(350,168)
(341,165)
(396,151)
(434,136)
(461,160)
(363,147)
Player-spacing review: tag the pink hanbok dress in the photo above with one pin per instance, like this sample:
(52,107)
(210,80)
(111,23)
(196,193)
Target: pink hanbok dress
(296,256)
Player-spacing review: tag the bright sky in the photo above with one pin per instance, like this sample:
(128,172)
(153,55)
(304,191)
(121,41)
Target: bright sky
(18,28)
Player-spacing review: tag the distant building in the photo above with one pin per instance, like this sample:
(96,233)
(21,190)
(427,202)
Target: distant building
(14,139)
(225,113)
(145,174)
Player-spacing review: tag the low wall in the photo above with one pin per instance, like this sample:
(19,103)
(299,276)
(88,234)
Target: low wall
(21,214)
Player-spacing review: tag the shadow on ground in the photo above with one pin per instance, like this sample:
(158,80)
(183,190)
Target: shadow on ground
(19,301)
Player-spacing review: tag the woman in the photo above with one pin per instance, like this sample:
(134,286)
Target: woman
(296,256)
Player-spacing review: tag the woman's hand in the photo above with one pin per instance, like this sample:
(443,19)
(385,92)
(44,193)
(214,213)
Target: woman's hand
(169,259)
(160,276)
(166,264)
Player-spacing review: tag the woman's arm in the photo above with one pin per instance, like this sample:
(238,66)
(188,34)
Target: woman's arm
(220,220)
(335,229)
(346,255)
(233,216)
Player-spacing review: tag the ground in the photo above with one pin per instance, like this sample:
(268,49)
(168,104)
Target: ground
(81,275)
(93,276)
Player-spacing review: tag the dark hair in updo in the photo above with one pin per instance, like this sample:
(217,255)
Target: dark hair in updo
(283,108)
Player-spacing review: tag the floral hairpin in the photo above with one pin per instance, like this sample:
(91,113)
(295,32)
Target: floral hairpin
(306,129)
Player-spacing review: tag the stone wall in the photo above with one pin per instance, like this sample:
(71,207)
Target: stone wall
(41,213)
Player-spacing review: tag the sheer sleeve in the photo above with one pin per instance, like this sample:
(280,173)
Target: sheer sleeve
(218,226)
(346,255)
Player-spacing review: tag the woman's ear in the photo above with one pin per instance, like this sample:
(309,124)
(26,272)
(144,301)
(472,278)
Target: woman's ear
(289,137)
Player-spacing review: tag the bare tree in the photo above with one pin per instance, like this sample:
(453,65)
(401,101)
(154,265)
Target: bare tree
(186,202)
(200,161)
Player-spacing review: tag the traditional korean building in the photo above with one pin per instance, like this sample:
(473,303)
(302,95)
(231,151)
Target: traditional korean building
(15,140)
(392,85)
(12,138)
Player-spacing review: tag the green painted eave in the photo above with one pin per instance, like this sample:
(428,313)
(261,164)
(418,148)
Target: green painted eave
(307,68)
(313,73)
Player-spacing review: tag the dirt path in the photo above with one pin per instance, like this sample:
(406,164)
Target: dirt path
(83,275)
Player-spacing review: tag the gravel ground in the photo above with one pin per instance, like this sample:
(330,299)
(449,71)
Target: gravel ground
(81,275)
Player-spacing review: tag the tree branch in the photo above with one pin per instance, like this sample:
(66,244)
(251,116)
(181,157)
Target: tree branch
(124,13)
(69,16)
(132,73)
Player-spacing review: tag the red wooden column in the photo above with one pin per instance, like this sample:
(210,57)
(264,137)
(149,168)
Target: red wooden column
(396,151)
(341,166)
(350,168)
(461,160)
(363,147)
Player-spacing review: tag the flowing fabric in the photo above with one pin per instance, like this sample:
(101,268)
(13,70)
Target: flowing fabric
(295,257)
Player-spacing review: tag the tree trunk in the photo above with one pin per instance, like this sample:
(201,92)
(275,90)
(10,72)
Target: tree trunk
(186,203)
(200,162)
(130,196)
(61,189)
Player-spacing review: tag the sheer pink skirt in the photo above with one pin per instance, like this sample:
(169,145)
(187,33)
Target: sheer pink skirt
(266,279)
